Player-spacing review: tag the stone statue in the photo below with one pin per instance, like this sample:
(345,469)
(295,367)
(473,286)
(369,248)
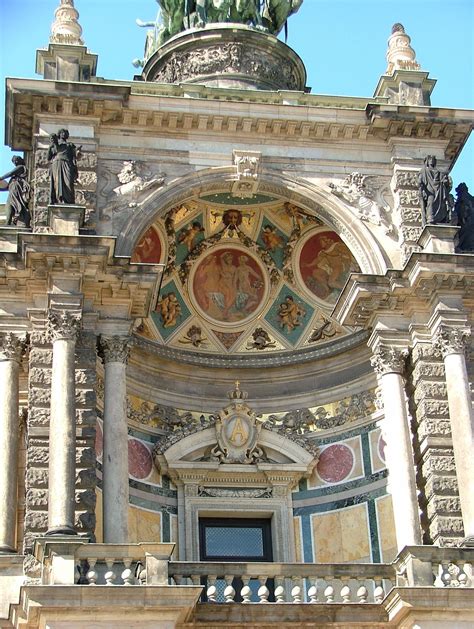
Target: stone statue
(16,207)
(464,213)
(63,156)
(179,15)
(435,187)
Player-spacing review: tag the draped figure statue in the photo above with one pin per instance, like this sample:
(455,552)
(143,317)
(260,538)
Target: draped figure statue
(16,208)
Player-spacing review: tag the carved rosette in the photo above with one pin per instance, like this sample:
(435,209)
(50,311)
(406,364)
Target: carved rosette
(64,324)
(12,346)
(389,360)
(114,349)
(451,340)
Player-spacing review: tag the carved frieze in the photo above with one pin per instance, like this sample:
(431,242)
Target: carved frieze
(227,59)
(236,492)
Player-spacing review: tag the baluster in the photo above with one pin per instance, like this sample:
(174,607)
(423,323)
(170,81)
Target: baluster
(329,594)
(445,576)
(211,591)
(92,575)
(246,592)
(345,590)
(178,579)
(127,575)
(362,594)
(263,591)
(467,570)
(110,575)
(296,590)
(313,590)
(379,593)
(279,590)
(195,579)
(229,592)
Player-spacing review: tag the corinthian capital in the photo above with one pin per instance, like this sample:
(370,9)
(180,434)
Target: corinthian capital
(63,324)
(12,346)
(450,340)
(389,360)
(114,349)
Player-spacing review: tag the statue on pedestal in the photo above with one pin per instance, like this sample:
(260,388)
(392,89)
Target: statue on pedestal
(464,212)
(435,187)
(17,211)
(63,156)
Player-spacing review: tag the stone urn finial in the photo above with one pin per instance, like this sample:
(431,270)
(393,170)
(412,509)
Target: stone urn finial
(66,29)
(400,54)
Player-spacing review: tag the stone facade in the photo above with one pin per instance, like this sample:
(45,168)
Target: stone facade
(220,250)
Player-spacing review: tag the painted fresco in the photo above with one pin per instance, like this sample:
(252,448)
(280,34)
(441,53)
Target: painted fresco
(325,263)
(289,315)
(188,237)
(149,248)
(170,311)
(272,240)
(228,285)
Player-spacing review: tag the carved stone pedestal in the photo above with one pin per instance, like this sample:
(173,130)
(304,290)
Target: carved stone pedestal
(227,56)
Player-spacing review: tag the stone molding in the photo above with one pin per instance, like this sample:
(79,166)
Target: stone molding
(449,340)
(12,346)
(114,349)
(388,359)
(64,324)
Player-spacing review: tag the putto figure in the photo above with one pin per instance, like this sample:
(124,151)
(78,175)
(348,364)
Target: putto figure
(63,156)
(16,207)
(435,187)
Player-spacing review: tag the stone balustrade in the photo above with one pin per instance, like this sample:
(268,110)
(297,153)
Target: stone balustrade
(286,582)
(69,562)
(434,566)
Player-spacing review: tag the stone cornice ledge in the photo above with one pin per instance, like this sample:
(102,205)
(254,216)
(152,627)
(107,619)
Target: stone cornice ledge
(274,359)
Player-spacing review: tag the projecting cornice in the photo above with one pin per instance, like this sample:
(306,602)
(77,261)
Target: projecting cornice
(176,109)
(409,293)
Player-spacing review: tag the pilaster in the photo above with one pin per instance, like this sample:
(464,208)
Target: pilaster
(406,212)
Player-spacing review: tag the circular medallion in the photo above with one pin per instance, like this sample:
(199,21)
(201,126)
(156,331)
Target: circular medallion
(140,462)
(335,463)
(149,247)
(228,285)
(324,264)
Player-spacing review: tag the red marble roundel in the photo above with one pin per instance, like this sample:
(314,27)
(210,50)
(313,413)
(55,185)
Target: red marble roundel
(140,462)
(335,463)
(99,440)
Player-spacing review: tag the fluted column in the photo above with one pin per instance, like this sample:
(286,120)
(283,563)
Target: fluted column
(63,325)
(452,343)
(114,352)
(389,364)
(11,348)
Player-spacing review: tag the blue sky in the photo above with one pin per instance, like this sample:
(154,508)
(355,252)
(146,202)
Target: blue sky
(342,42)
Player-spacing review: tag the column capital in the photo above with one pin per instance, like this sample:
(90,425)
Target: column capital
(114,349)
(389,359)
(12,346)
(63,324)
(451,340)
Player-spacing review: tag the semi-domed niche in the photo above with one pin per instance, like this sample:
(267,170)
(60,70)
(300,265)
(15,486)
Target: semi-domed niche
(244,276)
